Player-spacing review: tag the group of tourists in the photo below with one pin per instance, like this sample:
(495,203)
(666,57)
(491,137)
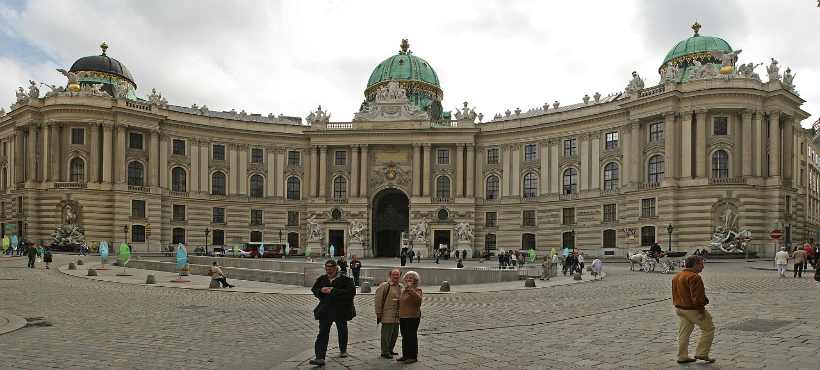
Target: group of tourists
(511,259)
(397,306)
(407,253)
(35,253)
(801,257)
(573,262)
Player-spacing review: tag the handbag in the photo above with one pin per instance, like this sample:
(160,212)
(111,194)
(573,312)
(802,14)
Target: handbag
(384,301)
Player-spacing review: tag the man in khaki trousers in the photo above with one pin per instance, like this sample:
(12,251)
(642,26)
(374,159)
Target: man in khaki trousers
(387,312)
(689,298)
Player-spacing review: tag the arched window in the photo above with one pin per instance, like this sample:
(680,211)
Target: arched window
(655,169)
(294,188)
(257,186)
(720,164)
(530,185)
(570,181)
(218,183)
(179,180)
(443,188)
(136,174)
(339,187)
(77,170)
(610,238)
(492,187)
(178,236)
(611,176)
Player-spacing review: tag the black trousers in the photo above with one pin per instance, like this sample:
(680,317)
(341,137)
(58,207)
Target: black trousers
(409,337)
(223,281)
(356,277)
(324,333)
(798,269)
(31,262)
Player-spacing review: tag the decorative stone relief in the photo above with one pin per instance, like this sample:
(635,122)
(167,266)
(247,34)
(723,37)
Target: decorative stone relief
(390,104)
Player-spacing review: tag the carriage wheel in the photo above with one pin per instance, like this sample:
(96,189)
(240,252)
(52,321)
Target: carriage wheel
(646,267)
(665,268)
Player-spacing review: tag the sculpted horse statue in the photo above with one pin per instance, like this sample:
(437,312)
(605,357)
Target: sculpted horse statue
(636,259)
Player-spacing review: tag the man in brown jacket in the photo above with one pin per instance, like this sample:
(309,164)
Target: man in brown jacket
(387,312)
(689,298)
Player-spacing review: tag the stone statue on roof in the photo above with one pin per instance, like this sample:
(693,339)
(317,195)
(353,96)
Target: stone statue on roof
(33,91)
(788,79)
(22,97)
(748,70)
(635,84)
(727,59)
(773,70)
(319,116)
(70,76)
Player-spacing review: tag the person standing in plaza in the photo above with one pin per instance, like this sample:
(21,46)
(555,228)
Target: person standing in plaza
(545,268)
(356,269)
(47,257)
(410,317)
(335,294)
(809,254)
(387,312)
(781,260)
(689,298)
(799,256)
(581,263)
(342,265)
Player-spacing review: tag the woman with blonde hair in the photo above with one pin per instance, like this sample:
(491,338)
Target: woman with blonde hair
(410,317)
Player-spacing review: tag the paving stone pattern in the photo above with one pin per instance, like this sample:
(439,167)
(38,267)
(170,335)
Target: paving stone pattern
(624,322)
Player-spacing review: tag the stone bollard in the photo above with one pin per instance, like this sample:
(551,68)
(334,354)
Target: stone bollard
(92,272)
(365,288)
(80,263)
(576,276)
(445,286)
(72,266)
(150,279)
(529,283)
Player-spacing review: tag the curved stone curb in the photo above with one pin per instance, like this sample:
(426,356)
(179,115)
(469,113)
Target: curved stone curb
(10,323)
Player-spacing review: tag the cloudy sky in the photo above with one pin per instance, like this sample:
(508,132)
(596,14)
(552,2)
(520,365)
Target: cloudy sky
(290,56)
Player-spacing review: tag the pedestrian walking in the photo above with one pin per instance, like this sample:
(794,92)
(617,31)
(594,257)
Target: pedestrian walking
(218,275)
(356,269)
(47,258)
(342,265)
(387,312)
(437,253)
(781,260)
(799,256)
(581,263)
(31,253)
(546,266)
(689,298)
(335,294)
(410,317)
(411,254)
(403,256)
(810,257)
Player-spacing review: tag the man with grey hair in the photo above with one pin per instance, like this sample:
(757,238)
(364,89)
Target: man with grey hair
(387,312)
(689,298)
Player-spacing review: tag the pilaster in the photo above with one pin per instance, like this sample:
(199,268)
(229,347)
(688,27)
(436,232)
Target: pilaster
(747,146)
(774,143)
(470,186)
(700,143)
(416,173)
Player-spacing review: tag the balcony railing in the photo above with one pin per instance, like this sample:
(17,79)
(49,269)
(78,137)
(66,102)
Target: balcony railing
(141,189)
(69,185)
(569,196)
(649,185)
(610,191)
(178,194)
(137,105)
(339,200)
(657,89)
(726,180)
(442,199)
(339,126)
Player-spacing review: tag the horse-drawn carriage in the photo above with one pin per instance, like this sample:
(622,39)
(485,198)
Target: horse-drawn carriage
(663,262)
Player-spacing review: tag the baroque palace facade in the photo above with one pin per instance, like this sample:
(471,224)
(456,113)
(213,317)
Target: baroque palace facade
(710,145)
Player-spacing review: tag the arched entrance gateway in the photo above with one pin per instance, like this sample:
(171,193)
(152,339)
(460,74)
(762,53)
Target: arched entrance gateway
(391,217)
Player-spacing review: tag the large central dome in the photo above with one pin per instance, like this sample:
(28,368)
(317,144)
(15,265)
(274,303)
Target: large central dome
(412,73)
(696,48)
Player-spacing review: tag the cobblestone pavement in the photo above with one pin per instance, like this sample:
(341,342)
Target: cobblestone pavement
(623,322)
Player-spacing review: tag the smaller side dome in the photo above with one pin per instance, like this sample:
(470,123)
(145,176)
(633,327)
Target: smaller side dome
(102,69)
(697,47)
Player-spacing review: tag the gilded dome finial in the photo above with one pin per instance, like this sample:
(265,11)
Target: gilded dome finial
(404,46)
(104,47)
(696,28)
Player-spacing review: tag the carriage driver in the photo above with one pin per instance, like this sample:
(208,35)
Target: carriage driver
(656,252)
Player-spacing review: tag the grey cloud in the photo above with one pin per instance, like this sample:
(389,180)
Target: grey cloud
(666,22)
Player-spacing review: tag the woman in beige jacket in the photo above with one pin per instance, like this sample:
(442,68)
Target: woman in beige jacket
(410,317)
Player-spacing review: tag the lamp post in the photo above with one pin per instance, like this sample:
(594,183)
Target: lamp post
(207,231)
(669,230)
(280,236)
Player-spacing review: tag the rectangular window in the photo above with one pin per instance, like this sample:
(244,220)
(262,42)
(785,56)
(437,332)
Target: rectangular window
(490,219)
(610,213)
(293,218)
(528,218)
(611,140)
(294,158)
(256,236)
(443,156)
(256,217)
(568,216)
(218,152)
(492,156)
(570,147)
(218,216)
(138,208)
(179,212)
(720,126)
(341,158)
(77,136)
(138,233)
(648,207)
(656,132)
(135,140)
(257,155)
(530,152)
(178,147)
(219,237)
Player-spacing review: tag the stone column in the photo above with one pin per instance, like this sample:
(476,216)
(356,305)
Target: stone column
(787,149)
(506,168)
(774,143)
(515,175)
(204,166)
(747,146)
(119,158)
(544,179)
(163,163)
(470,171)
(583,155)
(270,179)
(153,159)
(107,154)
(365,171)
(280,172)
(459,182)
(670,146)
(354,171)
(242,170)
(95,153)
(193,174)
(595,167)
(700,143)
(481,157)
(555,171)
(44,169)
(686,145)
(314,170)
(425,175)
(12,171)
(322,171)
(31,153)
(635,149)
(416,173)
(233,169)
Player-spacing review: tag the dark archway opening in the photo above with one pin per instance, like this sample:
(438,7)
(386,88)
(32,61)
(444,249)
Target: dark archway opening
(391,217)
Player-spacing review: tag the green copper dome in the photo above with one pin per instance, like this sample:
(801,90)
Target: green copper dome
(405,68)
(696,47)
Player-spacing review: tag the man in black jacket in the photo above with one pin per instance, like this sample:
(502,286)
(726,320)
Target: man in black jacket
(335,293)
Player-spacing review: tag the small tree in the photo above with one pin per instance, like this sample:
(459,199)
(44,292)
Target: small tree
(68,235)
